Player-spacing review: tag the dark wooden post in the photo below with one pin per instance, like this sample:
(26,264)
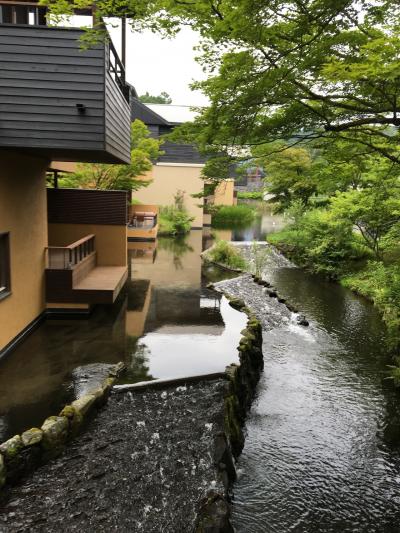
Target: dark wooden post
(123,41)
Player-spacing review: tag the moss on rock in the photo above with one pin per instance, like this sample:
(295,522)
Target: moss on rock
(32,436)
(11,447)
(55,433)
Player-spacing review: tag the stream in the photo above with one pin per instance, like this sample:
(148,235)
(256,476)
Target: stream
(323,436)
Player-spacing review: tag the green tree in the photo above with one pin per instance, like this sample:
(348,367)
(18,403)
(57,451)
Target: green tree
(144,150)
(374,209)
(288,174)
(162,98)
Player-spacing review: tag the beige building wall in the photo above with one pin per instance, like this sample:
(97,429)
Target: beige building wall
(224,193)
(167,179)
(110,241)
(23,213)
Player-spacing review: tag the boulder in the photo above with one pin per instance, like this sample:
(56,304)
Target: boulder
(302,321)
(32,436)
(55,433)
(11,447)
(214,515)
(117,369)
(74,417)
(237,304)
(84,404)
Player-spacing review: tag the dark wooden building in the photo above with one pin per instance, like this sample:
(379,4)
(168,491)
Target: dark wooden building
(159,125)
(56,98)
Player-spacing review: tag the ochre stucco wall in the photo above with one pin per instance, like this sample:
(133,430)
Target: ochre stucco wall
(224,193)
(23,213)
(110,242)
(167,180)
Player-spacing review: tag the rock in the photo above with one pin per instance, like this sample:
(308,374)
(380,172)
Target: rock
(237,303)
(282,300)
(11,447)
(55,433)
(74,417)
(272,294)
(214,515)
(32,436)
(117,369)
(223,459)
(2,471)
(84,404)
(302,321)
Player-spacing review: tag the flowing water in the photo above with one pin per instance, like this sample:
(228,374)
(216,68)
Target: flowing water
(322,452)
(165,324)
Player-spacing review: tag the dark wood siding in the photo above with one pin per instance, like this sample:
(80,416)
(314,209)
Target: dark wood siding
(180,153)
(79,206)
(44,74)
(118,121)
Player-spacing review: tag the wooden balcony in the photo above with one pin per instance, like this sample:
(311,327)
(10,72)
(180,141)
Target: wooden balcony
(60,101)
(142,223)
(73,277)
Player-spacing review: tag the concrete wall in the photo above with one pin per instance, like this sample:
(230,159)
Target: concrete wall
(110,242)
(23,213)
(167,179)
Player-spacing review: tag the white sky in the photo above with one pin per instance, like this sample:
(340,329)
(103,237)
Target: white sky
(155,65)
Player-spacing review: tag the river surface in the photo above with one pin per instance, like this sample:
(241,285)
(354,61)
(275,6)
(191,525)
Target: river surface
(322,449)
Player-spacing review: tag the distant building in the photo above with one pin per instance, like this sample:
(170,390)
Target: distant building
(179,168)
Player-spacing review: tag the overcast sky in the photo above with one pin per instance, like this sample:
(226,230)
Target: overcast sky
(155,65)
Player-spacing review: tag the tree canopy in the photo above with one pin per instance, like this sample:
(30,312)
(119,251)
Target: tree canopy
(162,98)
(144,150)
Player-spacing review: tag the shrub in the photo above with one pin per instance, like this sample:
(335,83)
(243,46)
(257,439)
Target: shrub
(174,221)
(255,195)
(232,215)
(226,254)
(321,241)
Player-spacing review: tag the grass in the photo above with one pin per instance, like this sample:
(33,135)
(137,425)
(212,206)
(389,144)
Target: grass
(233,215)
(255,195)
(227,255)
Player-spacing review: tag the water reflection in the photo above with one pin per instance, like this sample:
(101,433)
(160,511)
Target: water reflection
(265,223)
(165,323)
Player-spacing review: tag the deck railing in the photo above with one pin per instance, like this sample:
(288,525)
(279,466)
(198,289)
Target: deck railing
(67,257)
(117,70)
(145,222)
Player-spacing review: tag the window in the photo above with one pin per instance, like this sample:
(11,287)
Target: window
(5,275)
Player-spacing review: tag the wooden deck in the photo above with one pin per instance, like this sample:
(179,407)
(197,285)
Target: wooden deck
(104,279)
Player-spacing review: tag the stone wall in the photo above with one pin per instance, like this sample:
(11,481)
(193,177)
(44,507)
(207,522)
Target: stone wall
(23,453)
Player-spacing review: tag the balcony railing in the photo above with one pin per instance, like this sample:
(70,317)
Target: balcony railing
(117,70)
(145,221)
(67,257)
